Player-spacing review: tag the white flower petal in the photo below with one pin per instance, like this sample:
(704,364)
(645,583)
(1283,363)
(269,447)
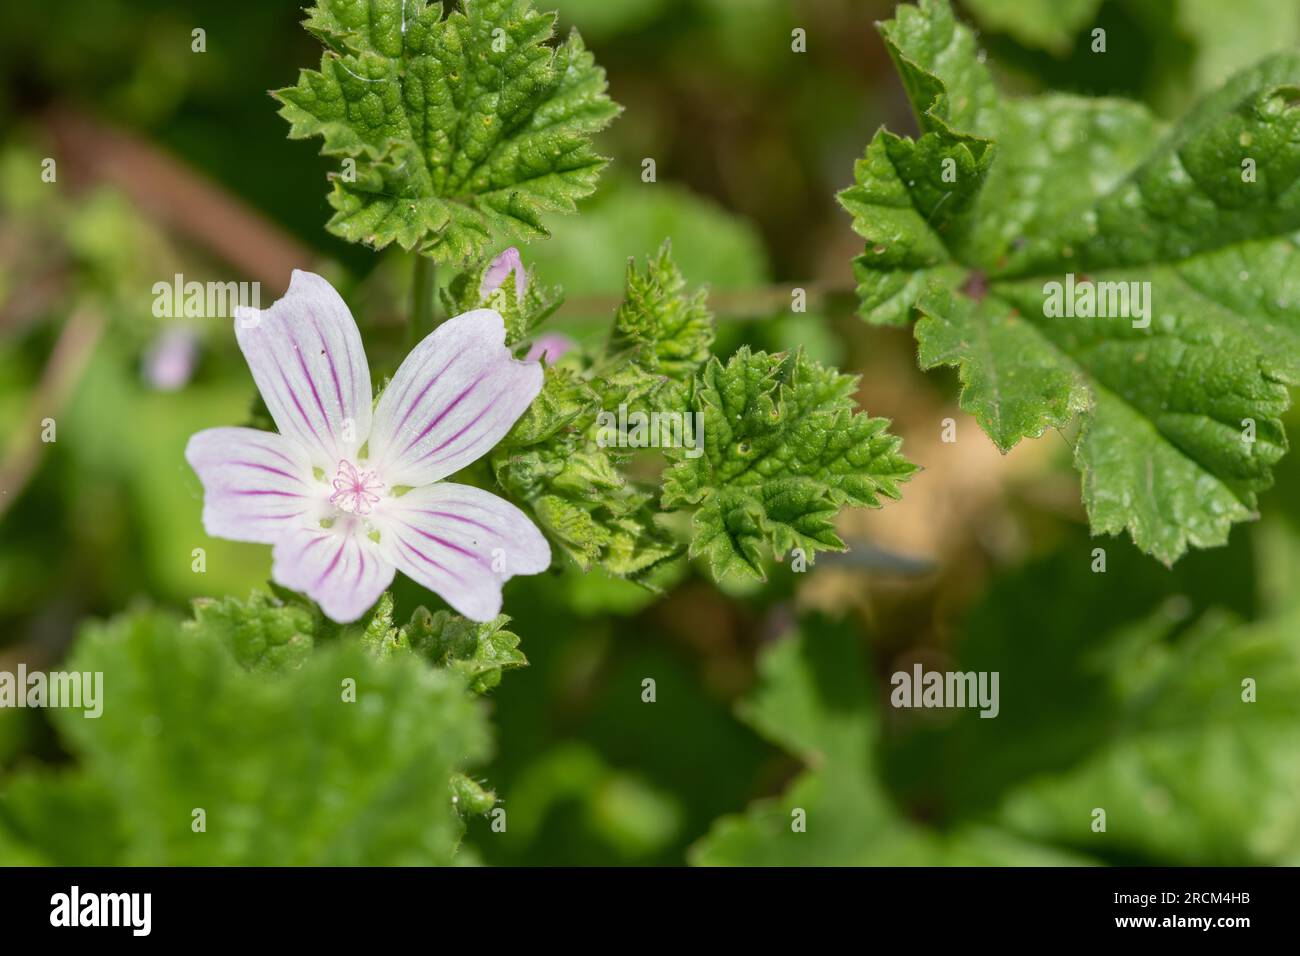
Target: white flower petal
(452,400)
(462,543)
(256,484)
(306,356)
(341,571)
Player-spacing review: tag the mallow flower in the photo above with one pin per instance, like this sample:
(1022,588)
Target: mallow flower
(170,359)
(351,489)
(551,346)
(499,269)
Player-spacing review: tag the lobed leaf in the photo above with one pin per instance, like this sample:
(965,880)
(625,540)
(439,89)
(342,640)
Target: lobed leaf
(1180,399)
(286,768)
(462,131)
(785,448)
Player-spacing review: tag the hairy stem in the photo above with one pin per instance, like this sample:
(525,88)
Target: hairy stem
(754,304)
(423,313)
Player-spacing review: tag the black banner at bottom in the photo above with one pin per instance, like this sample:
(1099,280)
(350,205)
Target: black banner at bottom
(333,906)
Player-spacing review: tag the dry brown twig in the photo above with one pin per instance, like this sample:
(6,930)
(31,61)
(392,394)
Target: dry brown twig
(58,382)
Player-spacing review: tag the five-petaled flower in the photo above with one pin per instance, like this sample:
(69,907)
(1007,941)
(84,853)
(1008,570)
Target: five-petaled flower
(351,489)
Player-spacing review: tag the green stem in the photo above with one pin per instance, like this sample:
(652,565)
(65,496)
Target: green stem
(423,311)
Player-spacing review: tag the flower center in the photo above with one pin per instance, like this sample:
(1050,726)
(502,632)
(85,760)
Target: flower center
(355,491)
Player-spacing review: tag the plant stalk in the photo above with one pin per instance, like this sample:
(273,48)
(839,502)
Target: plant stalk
(423,308)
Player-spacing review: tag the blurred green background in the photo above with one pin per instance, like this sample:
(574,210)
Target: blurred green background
(1118,689)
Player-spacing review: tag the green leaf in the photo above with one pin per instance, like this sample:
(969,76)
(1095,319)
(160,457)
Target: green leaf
(1197,43)
(262,633)
(942,72)
(462,131)
(664,334)
(520,314)
(619,808)
(814,699)
(553,464)
(558,460)
(269,635)
(1066,642)
(479,652)
(285,768)
(769,448)
(1138,706)
(59,818)
(1049,24)
(785,448)
(1192,772)
(1093,195)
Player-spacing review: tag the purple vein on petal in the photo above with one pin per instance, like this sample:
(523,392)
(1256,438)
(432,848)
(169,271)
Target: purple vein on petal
(311,382)
(294,397)
(269,449)
(443,414)
(428,560)
(274,471)
(410,408)
(460,518)
(477,418)
(338,389)
(333,564)
(476,558)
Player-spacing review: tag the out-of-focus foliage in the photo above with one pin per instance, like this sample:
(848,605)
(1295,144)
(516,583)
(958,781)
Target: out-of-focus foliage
(343,759)
(626,217)
(1141,714)
(815,701)
(1190,46)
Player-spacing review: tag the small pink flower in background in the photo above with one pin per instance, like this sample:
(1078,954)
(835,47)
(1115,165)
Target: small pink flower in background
(500,267)
(551,346)
(170,360)
(347,496)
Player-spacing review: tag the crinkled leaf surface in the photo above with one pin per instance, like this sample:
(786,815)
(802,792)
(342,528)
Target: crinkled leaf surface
(286,770)
(661,334)
(552,462)
(785,447)
(262,633)
(563,462)
(1047,187)
(781,449)
(462,130)
(478,651)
